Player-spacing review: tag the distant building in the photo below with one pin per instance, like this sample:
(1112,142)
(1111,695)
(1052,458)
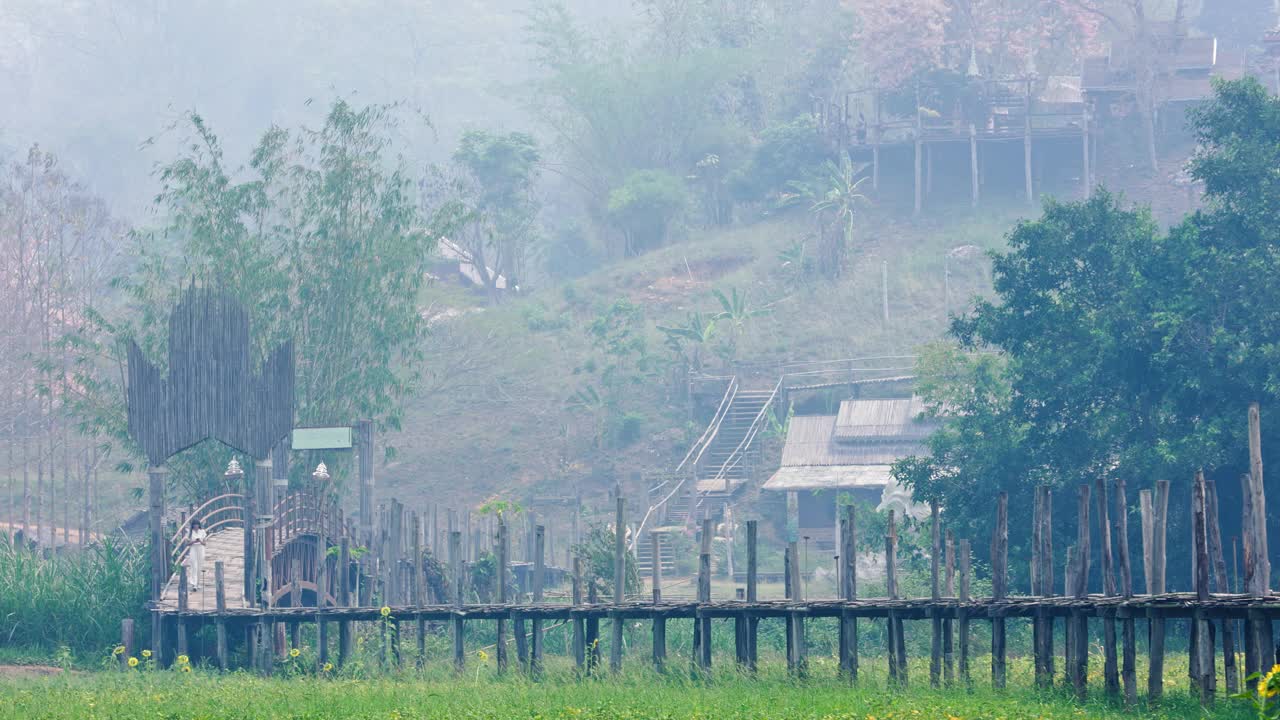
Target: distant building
(848,453)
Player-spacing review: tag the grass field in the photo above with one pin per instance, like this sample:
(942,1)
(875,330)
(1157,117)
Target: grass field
(638,694)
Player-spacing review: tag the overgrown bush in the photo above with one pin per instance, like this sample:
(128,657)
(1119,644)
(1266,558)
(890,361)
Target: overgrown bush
(74,599)
(644,207)
(787,153)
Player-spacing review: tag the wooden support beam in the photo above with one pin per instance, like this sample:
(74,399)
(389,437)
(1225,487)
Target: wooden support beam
(948,634)
(579,648)
(344,598)
(1204,665)
(183,599)
(1128,670)
(500,592)
(126,642)
(935,652)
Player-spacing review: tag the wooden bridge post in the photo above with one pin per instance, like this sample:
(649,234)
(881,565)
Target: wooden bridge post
(539,558)
(363,437)
(455,561)
(659,622)
(1128,668)
(753,589)
(848,592)
(322,595)
(1259,571)
(500,580)
(619,580)
(419,590)
(702,631)
(1205,670)
(593,629)
(220,619)
(1155,560)
(999,589)
(160,569)
(1037,589)
(1219,564)
(183,599)
(935,596)
(798,661)
(295,598)
(344,598)
(126,642)
(1080,572)
(893,625)
(949,590)
(965,559)
(579,642)
(1110,668)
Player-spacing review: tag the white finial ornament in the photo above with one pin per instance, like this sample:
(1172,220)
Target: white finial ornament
(321,473)
(233,468)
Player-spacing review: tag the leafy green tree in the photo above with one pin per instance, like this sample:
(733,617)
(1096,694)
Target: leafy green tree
(501,171)
(1125,352)
(785,154)
(612,379)
(644,207)
(321,237)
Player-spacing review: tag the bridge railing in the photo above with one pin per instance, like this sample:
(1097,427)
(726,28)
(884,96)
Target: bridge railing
(217,513)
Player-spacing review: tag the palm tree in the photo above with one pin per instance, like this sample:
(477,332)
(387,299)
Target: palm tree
(834,199)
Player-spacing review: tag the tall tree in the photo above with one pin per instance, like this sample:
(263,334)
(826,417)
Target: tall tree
(321,237)
(1125,352)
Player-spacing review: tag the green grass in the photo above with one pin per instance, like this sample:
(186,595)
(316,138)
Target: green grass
(636,694)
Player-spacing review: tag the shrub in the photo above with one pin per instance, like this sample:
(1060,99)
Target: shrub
(644,207)
(786,154)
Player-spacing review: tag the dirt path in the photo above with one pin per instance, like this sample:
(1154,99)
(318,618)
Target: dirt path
(25,672)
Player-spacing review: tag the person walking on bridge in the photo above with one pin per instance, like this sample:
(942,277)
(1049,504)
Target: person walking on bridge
(196,535)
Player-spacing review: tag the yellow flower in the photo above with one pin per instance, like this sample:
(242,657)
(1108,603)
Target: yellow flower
(328,667)
(146,653)
(386,611)
(1267,687)
(183,659)
(133,662)
(484,656)
(186,668)
(118,651)
(295,652)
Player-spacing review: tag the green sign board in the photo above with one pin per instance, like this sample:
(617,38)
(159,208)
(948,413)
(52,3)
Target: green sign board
(322,438)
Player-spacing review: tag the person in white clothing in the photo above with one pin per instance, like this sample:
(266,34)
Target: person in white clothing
(195,554)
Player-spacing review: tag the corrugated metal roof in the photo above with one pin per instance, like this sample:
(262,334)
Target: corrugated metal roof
(811,441)
(881,420)
(831,477)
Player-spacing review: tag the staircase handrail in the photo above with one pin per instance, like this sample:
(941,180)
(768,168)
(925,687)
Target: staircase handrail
(736,456)
(215,507)
(701,446)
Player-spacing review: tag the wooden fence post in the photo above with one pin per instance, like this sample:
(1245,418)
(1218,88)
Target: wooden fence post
(1219,564)
(935,595)
(1110,666)
(1204,642)
(965,560)
(183,598)
(220,619)
(999,589)
(579,642)
(619,581)
(539,560)
(1128,669)
(848,592)
(126,642)
(702,625)
(459,634)
(948,634)
(500,581)
(753,622)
